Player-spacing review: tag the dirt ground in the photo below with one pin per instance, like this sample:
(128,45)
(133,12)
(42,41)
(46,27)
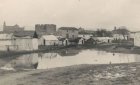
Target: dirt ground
(124,74)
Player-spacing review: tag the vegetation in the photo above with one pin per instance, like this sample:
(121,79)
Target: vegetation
(103,33)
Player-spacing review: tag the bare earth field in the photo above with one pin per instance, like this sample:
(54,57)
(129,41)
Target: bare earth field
(120,74)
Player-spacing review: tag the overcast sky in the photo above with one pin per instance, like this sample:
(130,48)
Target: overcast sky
(89,14)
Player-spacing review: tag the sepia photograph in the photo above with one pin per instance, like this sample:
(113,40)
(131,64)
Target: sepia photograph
(69,42)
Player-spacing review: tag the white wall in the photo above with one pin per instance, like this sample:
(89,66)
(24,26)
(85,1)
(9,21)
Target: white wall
(3,48)
(5,42)
(64,42)
(137,39)
(104,39)
(25,44)
(35,44)
(52,42)
(47,42)
(81,41)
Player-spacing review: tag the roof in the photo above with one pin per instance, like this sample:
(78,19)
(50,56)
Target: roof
(91,39)
(75,40)
(68,28)
(62,39)
(49,37)
(24,34)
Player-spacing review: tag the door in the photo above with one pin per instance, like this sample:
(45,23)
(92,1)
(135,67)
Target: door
(44,42)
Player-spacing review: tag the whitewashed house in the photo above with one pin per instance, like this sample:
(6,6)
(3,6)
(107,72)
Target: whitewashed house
(48,40)
(24,41)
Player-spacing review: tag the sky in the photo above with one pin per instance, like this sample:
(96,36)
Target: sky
(89,14)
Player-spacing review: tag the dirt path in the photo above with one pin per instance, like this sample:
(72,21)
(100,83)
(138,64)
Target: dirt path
(11,79)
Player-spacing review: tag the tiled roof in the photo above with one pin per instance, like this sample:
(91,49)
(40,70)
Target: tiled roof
(24,33)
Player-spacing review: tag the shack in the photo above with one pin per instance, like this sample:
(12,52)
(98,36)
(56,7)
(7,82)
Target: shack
(48,40)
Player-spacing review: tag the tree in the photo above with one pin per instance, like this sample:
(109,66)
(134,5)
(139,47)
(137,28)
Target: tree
(35,35)
(122,31)
(103,33)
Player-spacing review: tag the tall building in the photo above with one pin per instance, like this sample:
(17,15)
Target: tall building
(15,28)
(68,32)
(45,28)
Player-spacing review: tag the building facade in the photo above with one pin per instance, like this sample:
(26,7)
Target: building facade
(11,29)
(10,42)
(68,32)
(45,28)
(136,39)
(24,44)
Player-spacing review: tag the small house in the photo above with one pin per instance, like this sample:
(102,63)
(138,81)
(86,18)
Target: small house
(63,41)
(80,41)
(48,40)
(90,41)
(77,41)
